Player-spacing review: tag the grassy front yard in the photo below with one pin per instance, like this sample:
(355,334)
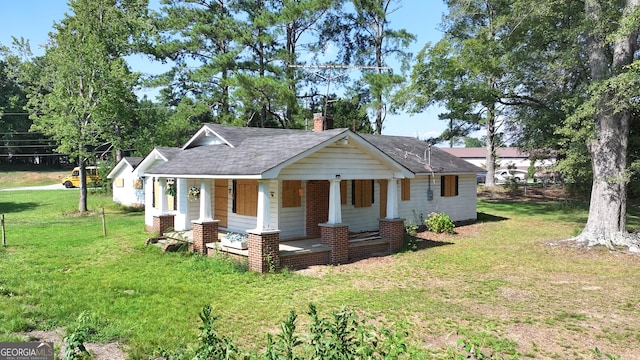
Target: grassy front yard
(498,283)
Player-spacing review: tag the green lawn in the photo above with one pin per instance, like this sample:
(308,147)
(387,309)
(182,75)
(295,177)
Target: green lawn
(497,283)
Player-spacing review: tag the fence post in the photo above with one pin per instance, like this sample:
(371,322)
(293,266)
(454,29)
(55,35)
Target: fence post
(104,224)
(4,238)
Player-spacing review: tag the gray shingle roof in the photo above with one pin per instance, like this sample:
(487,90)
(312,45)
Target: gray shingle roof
(414,155)
(134,161)
(257,150)
(168,152)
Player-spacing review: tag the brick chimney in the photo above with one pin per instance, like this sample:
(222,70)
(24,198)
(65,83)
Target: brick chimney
(321,123)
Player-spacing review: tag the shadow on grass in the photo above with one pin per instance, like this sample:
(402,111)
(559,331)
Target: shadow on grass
(485,217)
(14,207)
(422,244)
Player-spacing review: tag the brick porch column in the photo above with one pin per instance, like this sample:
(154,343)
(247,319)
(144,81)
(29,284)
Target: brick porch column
(204,232)
(264,250)
(161,223)
(336,236)
(392,230)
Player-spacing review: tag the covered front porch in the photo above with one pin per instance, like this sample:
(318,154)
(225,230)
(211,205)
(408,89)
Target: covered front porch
(295,253)
(330,242)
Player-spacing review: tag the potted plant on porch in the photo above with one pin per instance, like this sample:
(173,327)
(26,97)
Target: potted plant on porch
(235,241)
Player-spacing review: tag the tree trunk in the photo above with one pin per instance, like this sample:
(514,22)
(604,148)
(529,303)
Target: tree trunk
(607,210)
(608,149)
(490,145)
(82,203)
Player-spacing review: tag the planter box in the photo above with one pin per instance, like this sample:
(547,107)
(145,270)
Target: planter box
(240,245)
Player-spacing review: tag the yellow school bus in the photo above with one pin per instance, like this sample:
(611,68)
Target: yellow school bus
(73,180)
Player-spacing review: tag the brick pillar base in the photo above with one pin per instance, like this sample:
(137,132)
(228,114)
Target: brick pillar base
(392,230)
(336,236)
(161,223)
(264,250)
(204,232)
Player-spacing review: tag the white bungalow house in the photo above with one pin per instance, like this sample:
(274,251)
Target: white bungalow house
(127,185)
(128,176)
(277,184)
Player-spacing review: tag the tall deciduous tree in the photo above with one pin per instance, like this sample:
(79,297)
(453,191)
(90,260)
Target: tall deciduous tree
(469,71)
(89,86)
(611,34)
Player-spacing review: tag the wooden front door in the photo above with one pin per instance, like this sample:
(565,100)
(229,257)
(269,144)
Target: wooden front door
(221,201)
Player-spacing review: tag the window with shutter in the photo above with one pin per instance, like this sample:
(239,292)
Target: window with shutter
(246,197)
(405,186)
(362,193)
(291,193)
(449,185)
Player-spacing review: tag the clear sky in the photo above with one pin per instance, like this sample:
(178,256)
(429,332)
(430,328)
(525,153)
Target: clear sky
(33,20)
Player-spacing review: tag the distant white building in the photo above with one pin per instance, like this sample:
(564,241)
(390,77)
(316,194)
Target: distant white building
(505,156)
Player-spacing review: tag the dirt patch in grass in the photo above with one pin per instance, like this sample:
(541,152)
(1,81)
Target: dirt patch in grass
(11,179)
(530,193)
(108,351)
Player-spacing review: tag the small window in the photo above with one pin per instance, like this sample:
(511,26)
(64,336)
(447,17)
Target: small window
(405,186)
(137,184)
(119,182)
(449,185)
(291,193)
(362,193)
(343,192)
(245,199)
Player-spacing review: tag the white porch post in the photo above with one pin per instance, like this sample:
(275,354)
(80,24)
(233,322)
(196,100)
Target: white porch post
(205,201)
(335,207)
(392,199)
(162,188)
(264,206)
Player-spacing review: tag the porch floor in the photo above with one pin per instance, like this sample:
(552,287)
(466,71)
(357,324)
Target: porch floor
(287,247)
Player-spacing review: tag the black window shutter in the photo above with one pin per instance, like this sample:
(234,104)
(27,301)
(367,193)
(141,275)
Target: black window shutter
(233,196)
(373,191)
(456,185)
(442,182)
(153,192)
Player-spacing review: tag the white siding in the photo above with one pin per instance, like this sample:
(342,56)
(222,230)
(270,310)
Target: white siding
(362,218)
(291,220)
(459,208)
(193,205)
(242,223)
(127,194)
(347,161)
(149,210)
(182,221)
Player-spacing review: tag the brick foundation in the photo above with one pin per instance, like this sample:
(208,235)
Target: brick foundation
(264,250)
(204,232)
(363,251)
(161,223)
(392,230)
(336,236)
(301,261)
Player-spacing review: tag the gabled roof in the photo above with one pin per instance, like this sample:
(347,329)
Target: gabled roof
(222,151)
(159,153)
(128,160)
(418,157)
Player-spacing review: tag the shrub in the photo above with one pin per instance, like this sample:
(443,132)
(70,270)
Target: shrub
(439,223)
